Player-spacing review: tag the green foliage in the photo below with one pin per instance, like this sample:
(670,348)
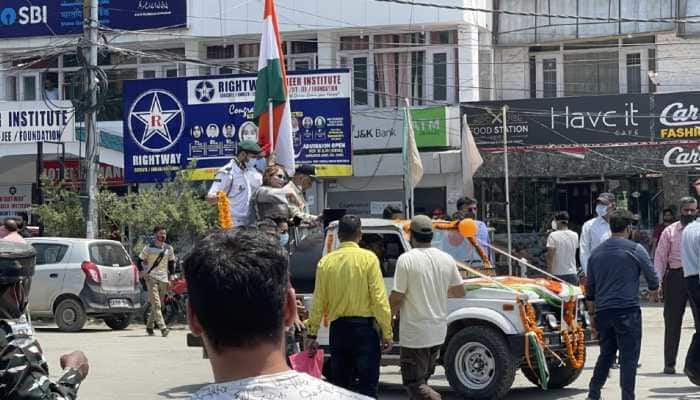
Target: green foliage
(62,212)
(180,206)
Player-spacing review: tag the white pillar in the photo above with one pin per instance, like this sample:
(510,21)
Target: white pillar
(327,48)
(468,63)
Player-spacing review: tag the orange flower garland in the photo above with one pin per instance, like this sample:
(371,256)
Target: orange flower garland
(575,338)
(225,220)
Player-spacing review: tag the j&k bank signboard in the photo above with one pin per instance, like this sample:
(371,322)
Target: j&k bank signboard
(383,129)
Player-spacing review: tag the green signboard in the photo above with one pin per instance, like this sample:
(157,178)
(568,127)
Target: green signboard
(430,126)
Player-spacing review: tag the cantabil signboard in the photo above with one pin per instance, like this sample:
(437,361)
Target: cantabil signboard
(173,124)
(36,121)
(678,116)
(383,129)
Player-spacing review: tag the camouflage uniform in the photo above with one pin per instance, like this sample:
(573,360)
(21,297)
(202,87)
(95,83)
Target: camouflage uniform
(24,374)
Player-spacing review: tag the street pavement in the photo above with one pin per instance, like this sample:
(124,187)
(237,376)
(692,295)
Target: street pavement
(128,365)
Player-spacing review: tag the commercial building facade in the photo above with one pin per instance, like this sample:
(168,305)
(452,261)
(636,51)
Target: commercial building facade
(429,56)
(607,106)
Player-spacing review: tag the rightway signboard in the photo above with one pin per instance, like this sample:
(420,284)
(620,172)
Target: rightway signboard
(197,122)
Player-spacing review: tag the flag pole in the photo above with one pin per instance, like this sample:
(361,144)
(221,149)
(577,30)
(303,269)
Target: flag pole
(505,162)
(408,187)
(271,123)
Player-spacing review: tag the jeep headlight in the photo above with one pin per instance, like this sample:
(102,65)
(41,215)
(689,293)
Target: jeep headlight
(551,321)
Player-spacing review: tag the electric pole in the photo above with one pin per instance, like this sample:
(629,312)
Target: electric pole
(90,26)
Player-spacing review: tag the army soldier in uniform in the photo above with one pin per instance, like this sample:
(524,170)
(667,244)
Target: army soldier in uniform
(24,374)
(238,179)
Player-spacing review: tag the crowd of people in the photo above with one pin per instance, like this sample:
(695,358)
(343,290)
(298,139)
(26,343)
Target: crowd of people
(249,266)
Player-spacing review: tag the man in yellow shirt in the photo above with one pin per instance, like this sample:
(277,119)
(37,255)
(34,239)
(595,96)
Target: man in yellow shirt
(350,293)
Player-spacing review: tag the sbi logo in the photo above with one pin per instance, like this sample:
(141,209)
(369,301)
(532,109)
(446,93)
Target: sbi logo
(24,15)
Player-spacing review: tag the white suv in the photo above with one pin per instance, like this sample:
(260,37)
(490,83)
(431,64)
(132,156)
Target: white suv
(80,278)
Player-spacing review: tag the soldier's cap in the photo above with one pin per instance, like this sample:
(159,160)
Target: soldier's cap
(306,169)
(421,224)
(605,198)
(249,146)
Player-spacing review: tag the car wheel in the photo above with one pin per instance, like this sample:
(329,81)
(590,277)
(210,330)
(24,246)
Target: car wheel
(118,322)
(70,315)
(559,376)
(479,364)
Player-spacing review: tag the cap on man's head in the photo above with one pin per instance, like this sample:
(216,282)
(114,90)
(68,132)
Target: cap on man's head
(249,146)
(606,198)
(421,224)
(306,169)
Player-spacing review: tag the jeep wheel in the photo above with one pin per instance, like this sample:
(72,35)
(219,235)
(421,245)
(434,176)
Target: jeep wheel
(559,376)
(479,364)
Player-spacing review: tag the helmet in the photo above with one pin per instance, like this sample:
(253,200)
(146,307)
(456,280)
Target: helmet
(16,270)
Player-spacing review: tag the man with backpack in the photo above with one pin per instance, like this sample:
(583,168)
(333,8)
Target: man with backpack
(155,258)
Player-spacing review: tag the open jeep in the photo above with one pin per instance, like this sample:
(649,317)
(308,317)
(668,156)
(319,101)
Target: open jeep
(502,324)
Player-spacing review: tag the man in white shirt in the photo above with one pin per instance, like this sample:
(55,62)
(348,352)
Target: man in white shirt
(238,179)
(249,268)
(425,277)
(561,250)
(595,231)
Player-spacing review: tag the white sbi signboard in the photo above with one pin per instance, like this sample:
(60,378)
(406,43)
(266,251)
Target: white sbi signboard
(15,199)
(36,121)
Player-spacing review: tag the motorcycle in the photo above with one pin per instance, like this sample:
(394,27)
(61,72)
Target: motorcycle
(173,304)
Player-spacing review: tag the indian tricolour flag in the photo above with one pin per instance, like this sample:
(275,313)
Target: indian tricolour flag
(271,87)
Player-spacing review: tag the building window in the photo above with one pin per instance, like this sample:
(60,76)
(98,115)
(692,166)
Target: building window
(634,73)
(359,77)
(440,76)
(29,88)
(249,50)
(113,100)
(349,43)
(221,52)
(11,88)
(398,76)
(533,77)
(591,73)
(549,73)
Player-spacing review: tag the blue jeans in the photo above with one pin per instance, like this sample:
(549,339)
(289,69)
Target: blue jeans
(355,355)
(623,332)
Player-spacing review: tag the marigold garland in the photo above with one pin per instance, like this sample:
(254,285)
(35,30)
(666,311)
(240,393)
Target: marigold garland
(574,338)
(225,220)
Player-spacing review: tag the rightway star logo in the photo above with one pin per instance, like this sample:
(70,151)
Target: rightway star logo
(204,91)
(156,121)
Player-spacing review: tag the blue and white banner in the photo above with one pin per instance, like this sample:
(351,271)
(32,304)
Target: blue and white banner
(36,121)
(171,124)
(26,18)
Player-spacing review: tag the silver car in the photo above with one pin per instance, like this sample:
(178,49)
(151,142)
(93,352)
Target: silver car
(80,278)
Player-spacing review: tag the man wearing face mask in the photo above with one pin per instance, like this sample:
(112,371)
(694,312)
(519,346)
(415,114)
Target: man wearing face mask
(238,179)
(614,270)
(466,208)
(24,373)
(669,270)
(561,249)
(595,231)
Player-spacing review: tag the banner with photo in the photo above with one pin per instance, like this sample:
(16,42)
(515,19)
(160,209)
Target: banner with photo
(197,123)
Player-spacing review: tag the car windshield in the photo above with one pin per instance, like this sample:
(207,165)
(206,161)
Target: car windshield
(109,254)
